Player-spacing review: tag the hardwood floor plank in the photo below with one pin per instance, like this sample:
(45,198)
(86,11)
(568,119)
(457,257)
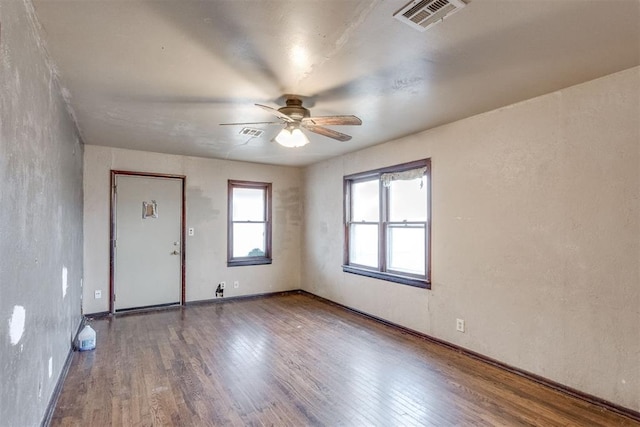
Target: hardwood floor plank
(294,360)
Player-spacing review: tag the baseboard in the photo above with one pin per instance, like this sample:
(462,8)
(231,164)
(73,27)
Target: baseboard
(99,315)
(53,401)
(103,314)
(242,297)
(605,404)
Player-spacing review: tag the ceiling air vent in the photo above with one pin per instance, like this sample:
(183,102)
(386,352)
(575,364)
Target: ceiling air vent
(422,14)
(253,133)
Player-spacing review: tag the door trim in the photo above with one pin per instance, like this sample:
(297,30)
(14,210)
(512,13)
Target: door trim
(112,206)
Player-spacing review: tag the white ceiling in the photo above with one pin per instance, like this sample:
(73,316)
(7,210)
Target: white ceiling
(161,75)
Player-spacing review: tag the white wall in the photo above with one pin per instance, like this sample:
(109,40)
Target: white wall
(536,236)
(206,203)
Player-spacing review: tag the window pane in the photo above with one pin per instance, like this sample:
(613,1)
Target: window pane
(248,204)
(248,240)
(363,245)
(407,200)
(365,201)
(406,249)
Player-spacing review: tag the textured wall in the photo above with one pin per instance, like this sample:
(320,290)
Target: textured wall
(206,200)
(536,236)
(40,222)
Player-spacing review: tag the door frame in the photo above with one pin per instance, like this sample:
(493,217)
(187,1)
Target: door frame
(112,229)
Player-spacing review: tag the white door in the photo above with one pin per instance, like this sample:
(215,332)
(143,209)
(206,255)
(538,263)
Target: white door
(147,249)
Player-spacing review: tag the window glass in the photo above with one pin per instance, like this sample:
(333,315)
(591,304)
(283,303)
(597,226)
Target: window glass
(248,239)
(406,245)
(364,245)
(408,200)
(365,201)
(248,204)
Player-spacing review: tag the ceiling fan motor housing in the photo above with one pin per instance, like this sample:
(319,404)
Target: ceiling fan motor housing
(294,109)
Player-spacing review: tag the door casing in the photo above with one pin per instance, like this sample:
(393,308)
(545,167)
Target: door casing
(112,230)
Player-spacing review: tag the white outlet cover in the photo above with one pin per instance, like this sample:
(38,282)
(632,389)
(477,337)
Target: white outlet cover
(223,285)
(97,294)
(460,325)
(236,284)
(191,231)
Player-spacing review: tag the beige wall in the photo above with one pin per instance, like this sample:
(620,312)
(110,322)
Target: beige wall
(206,202)
(536,236)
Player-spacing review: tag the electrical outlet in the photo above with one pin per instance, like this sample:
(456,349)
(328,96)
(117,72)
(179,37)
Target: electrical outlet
(191,231)
(223,285)
(236,284)
(460,325)
(97,294)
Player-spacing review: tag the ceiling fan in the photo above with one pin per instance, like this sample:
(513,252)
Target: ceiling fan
(294,116)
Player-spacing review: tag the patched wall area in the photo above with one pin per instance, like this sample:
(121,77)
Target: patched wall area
(535,236)
(40,221)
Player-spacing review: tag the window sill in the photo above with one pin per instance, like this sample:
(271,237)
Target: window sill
(248,261)
(409,281)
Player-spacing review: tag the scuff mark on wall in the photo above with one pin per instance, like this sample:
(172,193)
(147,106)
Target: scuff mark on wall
(16,324)
(65,283)
(201,208)
(287,202)
(287,213)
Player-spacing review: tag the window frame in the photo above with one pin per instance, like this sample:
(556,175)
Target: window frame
(382,272)
(259,260)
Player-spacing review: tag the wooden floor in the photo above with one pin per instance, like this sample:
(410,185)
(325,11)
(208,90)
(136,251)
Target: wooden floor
(294,360)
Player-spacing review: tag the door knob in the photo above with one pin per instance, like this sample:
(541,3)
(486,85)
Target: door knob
(175,253)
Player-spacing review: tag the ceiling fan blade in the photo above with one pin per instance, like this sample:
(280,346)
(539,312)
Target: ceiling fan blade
(327,132)
(333,120)
(276,113)
(250,123)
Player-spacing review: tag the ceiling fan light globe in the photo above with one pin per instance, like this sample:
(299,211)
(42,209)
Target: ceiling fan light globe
(284,138)
(299,138)
(291,138)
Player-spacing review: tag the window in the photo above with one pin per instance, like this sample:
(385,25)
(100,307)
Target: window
(387,223)
(249,228)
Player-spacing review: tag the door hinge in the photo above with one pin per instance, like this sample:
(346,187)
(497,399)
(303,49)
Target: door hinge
(115,243)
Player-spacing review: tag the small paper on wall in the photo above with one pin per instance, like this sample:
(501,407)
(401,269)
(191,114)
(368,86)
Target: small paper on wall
(149,209)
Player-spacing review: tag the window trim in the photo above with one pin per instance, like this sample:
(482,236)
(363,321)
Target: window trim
(378,273)
(242,261)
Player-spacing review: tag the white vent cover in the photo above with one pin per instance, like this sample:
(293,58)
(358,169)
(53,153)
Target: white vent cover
(254,133)
(422,14)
